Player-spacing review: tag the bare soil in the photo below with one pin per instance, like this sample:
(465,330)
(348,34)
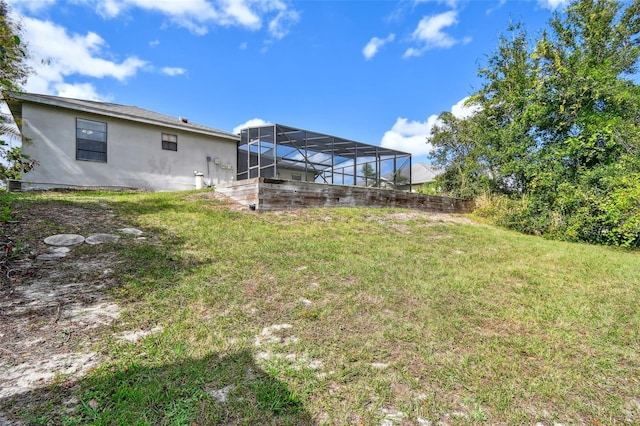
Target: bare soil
(51,310)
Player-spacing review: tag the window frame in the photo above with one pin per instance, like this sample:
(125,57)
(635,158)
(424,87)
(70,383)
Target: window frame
(93,141)
(166,142)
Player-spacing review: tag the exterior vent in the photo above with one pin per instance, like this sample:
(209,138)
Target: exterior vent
(184,119)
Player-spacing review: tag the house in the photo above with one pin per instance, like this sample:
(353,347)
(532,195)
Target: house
(420,174)
(92,144)
(82,143)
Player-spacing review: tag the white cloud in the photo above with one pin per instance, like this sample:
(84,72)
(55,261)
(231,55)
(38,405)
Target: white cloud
(79,91)
(411,136)
(70,55)
(462,110)
(198,15)
(254,122)
(154,43)
(173,71)
(240,13)
(279,26)
(371,49)
(429,33)
(553,4)
(450,3)
(32,6)
(496,7)
(243,46)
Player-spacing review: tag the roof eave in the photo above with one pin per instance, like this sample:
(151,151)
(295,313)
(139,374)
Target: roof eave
(34,98)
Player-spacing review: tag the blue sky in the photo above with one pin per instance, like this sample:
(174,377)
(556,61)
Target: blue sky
(378,72)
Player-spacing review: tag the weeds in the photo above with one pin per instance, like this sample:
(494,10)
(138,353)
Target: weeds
(386,313)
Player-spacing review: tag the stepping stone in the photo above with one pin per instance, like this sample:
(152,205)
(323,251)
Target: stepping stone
(51,256)
(131,231)
(101,238)
(62,250)
(64,240)
(55,253)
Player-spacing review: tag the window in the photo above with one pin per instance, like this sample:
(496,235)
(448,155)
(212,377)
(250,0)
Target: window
(91,140)
(169,142)
(296,177)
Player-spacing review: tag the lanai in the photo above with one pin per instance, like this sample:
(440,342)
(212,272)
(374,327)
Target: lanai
(267,151)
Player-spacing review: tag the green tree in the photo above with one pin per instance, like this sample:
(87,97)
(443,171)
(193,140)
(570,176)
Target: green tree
(558,126)
(13,73)
(456,147)
(369,173)
(492,150)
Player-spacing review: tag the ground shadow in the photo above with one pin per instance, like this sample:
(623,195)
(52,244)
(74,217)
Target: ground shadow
(230,389)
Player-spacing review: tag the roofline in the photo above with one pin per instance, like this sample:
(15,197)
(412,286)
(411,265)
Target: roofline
(61,102)
(276,125)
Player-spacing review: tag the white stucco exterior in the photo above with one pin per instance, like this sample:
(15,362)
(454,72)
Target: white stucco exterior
(288,174)
(135,158)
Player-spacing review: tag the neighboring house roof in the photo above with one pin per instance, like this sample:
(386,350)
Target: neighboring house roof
(422,173)
(125,112)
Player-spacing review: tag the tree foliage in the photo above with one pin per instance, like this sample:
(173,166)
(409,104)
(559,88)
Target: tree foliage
(369,173)
(13,73)
(558,127)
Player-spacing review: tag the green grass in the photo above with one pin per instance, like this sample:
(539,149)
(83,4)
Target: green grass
(452,322)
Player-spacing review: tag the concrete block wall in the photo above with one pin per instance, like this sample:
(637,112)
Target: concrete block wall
(273,194)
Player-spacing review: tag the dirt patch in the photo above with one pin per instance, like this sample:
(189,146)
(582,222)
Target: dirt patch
(51,308)
(436,218)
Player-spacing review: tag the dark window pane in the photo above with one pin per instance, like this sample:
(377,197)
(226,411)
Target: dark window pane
(91,140)
(92,155)
(169,142)
(171,146)
(95,146)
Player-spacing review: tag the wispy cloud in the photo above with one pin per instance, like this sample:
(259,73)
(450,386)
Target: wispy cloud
(430,33)
(450,3)
(371,49)
(283,21)
(173,71)
(79,91)
(71,55)
(499,4)
(33,6)
(553,4)
(198,16)
(411,136)
(254,122)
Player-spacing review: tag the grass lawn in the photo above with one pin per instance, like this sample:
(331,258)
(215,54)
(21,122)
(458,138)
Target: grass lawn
(359,316)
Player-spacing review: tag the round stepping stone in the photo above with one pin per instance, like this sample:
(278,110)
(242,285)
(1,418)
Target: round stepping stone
(101,238)
(132,231)
(64,240)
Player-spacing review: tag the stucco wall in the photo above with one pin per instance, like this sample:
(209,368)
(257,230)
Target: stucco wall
(135,158)
(288,174)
